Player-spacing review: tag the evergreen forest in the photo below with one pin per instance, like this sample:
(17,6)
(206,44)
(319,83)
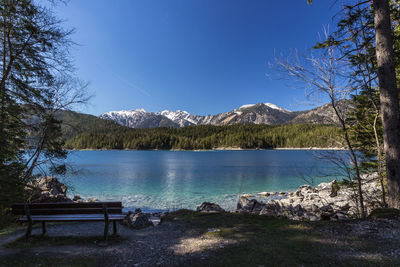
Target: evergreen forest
(244,136)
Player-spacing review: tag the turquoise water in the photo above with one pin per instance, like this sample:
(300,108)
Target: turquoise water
(161,180)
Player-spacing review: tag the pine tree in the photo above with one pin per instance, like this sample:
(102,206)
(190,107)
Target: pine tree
(34,50)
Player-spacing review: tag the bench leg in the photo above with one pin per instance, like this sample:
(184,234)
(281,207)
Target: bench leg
(43,228)
(105,230)
(114,227)
(28,230)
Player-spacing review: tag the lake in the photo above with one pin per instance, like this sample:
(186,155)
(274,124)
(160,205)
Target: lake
(162,180)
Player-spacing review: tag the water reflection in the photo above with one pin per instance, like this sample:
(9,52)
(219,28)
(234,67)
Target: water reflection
(166,179)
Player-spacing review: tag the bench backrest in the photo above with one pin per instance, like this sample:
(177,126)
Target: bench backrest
(67,208)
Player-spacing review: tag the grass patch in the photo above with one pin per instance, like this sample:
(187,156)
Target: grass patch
(273,242)
(7,222)
(385,213)
(10,226)
(9,230)
(44,240)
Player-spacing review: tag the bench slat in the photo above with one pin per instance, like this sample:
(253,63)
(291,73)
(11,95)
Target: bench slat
(19,206)
(67,211)
(81,217)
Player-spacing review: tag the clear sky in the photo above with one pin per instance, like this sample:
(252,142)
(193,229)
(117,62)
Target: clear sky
(202,56)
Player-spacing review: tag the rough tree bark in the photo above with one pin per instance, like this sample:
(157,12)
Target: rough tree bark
(389,98)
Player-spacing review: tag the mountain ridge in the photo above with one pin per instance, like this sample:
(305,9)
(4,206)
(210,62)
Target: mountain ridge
(261,113)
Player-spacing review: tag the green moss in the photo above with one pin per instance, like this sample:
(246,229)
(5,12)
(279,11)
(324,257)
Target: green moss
(6,220)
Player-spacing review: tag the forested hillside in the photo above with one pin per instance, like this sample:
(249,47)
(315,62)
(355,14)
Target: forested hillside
(74,123)
(247,136)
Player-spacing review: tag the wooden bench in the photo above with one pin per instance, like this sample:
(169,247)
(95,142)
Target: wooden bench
(69,212)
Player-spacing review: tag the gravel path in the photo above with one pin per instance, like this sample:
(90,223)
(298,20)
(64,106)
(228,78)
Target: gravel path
(168,244)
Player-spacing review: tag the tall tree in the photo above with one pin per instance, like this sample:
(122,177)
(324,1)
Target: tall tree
(34,52)
(325,74)
(389,98)
(389,95)
(355,38)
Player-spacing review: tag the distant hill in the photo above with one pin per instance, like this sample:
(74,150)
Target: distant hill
(74,123)
(324,114)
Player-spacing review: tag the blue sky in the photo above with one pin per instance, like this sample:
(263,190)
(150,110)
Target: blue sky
(202,56)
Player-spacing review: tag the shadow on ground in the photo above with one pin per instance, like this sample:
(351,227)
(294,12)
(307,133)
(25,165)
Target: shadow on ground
(187,238)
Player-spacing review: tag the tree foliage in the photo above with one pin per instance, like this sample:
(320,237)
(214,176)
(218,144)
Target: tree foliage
(35,82)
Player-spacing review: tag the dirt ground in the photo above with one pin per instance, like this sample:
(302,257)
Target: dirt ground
(193,239)
(168,244)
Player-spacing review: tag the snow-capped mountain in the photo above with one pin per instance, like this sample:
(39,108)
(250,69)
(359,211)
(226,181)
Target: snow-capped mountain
(138,118)
(182,118)
(261,113)
(273,106)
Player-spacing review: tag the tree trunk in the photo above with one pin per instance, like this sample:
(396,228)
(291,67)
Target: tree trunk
(389,98)
(354,159)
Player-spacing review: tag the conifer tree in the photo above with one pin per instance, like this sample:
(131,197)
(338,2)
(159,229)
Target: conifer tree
(34,84)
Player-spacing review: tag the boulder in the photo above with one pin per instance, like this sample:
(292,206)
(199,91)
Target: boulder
(264,194)
(314,208)
(342,216)
(257,206)
(342,206)
(77,198)
(271,208)
(137,220)
(92,200)
(209,207)
(327,201)
(326,216)
(298,210)
(46,189)
(243,202)
(328,190)
(251,206)
(326,208)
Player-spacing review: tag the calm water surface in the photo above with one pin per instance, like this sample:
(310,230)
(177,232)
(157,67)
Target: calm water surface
(160,180)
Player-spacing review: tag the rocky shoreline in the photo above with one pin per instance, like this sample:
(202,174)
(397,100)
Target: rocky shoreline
(327,201)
